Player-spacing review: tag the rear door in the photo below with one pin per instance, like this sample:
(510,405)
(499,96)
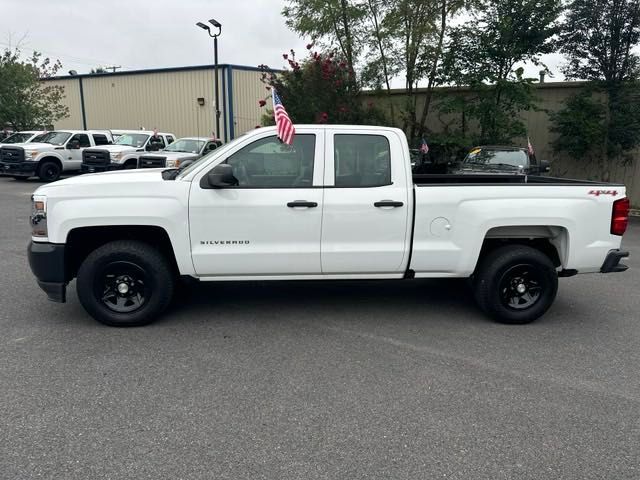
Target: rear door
(269,224)
(366,213)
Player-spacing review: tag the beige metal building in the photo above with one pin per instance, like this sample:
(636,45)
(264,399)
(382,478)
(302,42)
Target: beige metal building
(177,100)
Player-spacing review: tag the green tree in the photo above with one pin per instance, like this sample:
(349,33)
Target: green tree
(334,23)
(598,38)
(319,90)
(483,55)
(25,101)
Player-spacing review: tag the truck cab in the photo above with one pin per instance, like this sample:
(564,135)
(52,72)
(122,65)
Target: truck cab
(125,151)
(51,154)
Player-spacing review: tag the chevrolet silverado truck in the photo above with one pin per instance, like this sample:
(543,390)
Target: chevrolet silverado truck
(51,154)
(125,152)
(180,153)
(340,203)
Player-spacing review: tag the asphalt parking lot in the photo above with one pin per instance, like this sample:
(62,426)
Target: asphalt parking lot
(348,380)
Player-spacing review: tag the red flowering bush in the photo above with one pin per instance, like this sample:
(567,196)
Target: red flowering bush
(319,89)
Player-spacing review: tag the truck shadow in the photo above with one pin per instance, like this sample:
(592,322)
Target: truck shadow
(384,299)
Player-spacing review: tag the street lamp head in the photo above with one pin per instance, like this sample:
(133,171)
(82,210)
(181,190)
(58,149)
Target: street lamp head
(203,26)
(215,23)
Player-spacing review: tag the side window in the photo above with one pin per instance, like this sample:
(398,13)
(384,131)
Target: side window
(362,161)
(100,139)
(269,163)
(83,138)
(155,143)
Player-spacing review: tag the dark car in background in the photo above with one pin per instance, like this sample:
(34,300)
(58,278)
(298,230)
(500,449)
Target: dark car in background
(502,160)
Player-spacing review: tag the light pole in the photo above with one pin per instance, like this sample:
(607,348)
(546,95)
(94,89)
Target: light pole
(206,27)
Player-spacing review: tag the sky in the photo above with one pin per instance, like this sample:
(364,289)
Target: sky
(137,34)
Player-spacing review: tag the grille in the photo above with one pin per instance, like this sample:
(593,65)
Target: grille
(96,157)
(149,161)
(11,154)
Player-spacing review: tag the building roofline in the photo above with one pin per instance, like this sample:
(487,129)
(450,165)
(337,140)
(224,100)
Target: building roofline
(221,66)
(402,91)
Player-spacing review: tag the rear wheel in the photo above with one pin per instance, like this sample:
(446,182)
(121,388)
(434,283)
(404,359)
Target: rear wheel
(515,284)
(125,284)
(49,171)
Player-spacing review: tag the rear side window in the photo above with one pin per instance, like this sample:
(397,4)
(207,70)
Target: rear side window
(268,163)
(100,139)
(362,161)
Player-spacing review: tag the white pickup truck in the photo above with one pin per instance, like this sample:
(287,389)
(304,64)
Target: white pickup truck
(341,203)
(53,153)
(125,152)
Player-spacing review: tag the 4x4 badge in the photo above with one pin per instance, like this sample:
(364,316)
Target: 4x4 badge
(597,193)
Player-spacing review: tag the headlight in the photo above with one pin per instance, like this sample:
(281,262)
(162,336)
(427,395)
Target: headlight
(30,153)
(39,216)
(117,156)
(173,163)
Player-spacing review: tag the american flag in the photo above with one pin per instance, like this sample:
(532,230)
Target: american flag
(284,125)
(530,147)
(424,148)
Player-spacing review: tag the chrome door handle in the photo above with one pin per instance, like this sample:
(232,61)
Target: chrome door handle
(388,203)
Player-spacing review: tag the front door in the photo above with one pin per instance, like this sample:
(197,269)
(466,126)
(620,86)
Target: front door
(73,156)
(269,223)
(366,215)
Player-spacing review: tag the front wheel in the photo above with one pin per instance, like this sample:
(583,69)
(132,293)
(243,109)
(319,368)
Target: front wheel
(125,284)
(49,171)
(515,284)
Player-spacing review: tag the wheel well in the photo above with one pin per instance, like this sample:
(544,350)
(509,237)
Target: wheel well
(550,240)
(131,161)
(50,159)
(82,241)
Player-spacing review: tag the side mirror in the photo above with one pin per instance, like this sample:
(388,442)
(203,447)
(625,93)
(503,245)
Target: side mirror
(545,166)
(74,145)
(212,146)
(220,177)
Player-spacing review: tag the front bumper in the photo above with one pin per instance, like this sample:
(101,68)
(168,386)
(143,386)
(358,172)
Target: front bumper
(612,262)
(18,169)
(47,262)
(88,168)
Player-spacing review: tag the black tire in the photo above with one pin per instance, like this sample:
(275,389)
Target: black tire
(49,171)
(515,284)
(125,284)
(130,165)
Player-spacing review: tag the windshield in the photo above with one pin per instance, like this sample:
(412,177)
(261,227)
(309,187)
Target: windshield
(132,139)
(54,138)
(487,158)
(17,138)
(186,145)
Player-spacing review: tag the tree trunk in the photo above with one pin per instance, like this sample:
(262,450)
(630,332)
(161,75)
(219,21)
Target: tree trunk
(434,68)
